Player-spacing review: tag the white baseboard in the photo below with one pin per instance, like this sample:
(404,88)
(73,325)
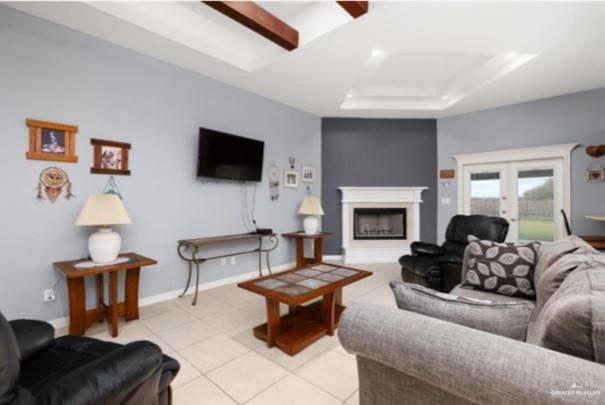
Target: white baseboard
(374,255)
(332,257)
(63,322)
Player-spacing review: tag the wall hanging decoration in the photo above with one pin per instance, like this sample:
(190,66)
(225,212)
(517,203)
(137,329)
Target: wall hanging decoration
(51,181)
(273,176)
(595,173)
(51,141)
(290,179)
(595,150)
(291,160)
(112,187)
(308,174)
(110,157)
(446,175)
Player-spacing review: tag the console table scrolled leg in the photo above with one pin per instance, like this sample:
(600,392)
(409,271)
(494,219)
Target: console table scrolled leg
(188,281)
(269,264)
(197,281)
(260,257)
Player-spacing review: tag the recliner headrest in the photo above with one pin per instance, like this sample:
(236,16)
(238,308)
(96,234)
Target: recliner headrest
(481,226)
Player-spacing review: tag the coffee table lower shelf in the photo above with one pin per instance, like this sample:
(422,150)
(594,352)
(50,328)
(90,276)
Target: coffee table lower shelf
(300,328)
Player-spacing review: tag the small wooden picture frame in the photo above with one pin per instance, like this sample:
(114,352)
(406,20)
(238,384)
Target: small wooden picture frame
(110,157)
(51,141)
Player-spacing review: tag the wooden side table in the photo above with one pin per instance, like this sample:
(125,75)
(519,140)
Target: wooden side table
(79,317)
(318,247)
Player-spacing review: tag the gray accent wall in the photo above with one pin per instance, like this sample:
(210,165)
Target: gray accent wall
(52,73)
(578,117)
(377,152)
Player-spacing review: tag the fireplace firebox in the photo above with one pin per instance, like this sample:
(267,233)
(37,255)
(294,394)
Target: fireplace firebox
(379,223)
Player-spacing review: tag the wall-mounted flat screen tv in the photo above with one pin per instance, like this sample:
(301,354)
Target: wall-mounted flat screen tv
(229,157)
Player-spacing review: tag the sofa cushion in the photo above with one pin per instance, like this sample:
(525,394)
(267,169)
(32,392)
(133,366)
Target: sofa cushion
(507,319)
(504,268)
(573,319)
(552,252)
(9,361)
(552,277)
(486,295)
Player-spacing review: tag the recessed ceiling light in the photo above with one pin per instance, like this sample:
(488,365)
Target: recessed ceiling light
(511,55)
(349,95)
(376,52)
(445,97)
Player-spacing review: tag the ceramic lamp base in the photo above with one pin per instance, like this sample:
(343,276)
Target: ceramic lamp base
(310,225)
(104,245)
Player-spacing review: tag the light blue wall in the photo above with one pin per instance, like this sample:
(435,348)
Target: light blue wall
(578,117)
(52,73)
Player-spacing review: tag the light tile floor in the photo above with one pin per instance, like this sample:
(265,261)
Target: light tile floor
(223,363)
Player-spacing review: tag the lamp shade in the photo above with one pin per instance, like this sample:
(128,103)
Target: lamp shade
(310,206)
(103,209)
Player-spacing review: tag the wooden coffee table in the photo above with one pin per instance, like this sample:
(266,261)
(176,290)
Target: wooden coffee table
(303,325)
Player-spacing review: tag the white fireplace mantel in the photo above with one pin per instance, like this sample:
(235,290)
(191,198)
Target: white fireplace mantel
(379,251)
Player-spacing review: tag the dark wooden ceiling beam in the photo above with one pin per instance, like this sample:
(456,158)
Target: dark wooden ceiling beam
(355,8)
(258,20)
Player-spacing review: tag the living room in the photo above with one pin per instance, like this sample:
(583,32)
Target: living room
(408,180)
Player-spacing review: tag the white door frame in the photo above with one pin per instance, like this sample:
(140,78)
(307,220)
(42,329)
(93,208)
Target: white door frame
(561,151)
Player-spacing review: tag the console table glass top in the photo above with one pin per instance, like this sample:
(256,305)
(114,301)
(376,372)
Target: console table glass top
(224,238)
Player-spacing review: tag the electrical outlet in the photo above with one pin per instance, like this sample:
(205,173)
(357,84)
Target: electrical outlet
(49,295)
(224,261)
(233,260)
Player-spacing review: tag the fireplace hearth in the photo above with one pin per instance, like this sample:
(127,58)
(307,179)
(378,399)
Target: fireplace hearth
(379,223)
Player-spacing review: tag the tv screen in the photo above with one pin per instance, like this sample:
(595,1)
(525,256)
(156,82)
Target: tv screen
(231,157)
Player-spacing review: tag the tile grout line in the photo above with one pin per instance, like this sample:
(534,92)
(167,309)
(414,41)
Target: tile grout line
(323,389)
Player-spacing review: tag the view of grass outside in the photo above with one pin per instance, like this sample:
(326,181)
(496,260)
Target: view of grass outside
(536,229)
(535,202)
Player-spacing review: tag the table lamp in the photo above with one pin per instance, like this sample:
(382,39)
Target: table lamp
(310,207)
(103,210)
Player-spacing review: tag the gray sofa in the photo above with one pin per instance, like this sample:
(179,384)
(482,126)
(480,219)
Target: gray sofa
(405,357)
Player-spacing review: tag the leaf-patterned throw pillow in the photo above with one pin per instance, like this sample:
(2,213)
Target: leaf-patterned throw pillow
(502,268)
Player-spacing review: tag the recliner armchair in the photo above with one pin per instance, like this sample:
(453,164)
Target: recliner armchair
(439,267)
(36,368)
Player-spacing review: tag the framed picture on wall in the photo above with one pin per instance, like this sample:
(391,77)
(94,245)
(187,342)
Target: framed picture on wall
(308,174)
(110,157)
(51,141)
(290,179)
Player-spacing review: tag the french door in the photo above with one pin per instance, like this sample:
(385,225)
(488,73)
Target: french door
(528,194)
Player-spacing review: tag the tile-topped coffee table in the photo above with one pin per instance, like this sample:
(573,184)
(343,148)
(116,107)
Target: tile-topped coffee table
(303,325)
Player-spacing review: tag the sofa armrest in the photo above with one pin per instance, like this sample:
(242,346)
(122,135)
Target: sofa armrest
(127,375)
(426,249)
(450,259)
(32,336)
(476,366)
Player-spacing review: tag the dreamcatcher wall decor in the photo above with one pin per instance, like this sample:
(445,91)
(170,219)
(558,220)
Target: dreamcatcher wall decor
(51,181)
(273,174)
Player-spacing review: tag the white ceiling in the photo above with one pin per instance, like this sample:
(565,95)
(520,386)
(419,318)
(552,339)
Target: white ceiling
(402,59)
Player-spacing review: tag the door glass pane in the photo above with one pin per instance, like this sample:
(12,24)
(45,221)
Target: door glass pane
(536,198)
(485,193)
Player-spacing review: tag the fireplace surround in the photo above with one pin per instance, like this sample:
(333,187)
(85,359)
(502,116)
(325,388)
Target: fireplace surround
(379,223)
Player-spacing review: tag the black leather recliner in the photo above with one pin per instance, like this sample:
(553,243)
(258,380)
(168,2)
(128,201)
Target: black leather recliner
(439,267)
(36,368)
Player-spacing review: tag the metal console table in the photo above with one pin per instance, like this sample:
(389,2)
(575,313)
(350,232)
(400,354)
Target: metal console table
(193,246)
